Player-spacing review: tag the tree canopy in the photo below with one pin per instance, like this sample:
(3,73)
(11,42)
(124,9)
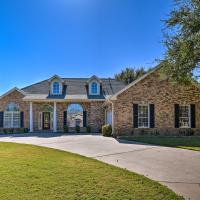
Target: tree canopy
(128,74)
(182,41)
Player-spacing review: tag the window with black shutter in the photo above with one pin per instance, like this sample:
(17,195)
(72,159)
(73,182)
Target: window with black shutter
(192,116)
(22,119)
(84,118)
(65,118)
(152,115)
(135,115)
(176,116)
(1,119)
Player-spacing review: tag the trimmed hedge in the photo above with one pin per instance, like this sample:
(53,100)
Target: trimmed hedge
(66,129)
(88,129)
(13,130)
(78,129)
(107,130)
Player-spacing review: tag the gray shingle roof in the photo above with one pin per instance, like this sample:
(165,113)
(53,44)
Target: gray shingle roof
(77,86)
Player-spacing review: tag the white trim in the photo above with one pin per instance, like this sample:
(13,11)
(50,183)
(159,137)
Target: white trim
(12,119)
(60,87)
(55,77)
(12,90)
(90,88)
(112,118)
(54,117)
(94,78)
(189,113)
(40,121)
(148,105)
(63,100)
(31,116)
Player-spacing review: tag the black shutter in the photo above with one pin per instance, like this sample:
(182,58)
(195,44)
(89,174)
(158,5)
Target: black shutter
(192,115)
(1,119)
(65,118)
(176,116)
(84,118)
(22,119)
(152,116)
(135,115)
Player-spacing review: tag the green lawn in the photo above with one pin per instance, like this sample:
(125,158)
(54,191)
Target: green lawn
(28,172)
(192,143)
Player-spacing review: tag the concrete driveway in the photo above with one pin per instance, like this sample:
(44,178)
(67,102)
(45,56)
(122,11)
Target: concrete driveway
(178,169)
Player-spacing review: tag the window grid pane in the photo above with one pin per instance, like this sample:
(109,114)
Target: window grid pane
(12,119)
(184,117)
(16,119)
(94,88)
(56,88)
(143,116)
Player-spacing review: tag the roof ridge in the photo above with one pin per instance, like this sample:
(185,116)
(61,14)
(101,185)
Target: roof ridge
(34,84)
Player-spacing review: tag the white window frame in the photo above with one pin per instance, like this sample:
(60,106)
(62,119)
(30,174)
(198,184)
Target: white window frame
(53,92)
(148,106)
(40,121)
(90,87)
(189,113)
(12,118)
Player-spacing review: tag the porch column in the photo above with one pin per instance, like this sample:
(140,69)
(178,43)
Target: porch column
(54,118)
(113,131)
(31,117)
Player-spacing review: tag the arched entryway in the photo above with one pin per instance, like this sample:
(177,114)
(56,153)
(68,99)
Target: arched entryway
(45,118)
(75,115)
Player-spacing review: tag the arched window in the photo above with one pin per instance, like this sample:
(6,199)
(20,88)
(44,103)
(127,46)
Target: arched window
(75,115)
(94,88)
(56,88)
(12,116)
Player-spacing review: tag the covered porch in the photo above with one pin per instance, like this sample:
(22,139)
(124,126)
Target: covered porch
(53,116)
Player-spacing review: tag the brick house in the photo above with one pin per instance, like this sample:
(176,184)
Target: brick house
(151,104)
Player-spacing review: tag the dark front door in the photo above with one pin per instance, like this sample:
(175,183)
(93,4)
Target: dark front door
(46,120)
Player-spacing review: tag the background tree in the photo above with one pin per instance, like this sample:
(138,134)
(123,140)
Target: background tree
(128,75)
(182,41)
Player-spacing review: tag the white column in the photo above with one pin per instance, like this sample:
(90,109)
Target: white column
(113,118)
(31,116)
(54,118)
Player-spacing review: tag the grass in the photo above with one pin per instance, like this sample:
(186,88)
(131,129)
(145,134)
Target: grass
(31,172)
(191,143)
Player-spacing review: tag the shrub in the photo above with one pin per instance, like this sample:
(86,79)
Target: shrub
(78,129)
(26,130)
(88,129)
(14,130)
(5,131)
(107,130)
(66,129)
(189,132)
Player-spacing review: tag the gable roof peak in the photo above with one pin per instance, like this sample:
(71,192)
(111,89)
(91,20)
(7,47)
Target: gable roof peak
(12,90)
(55,77)
(94,77)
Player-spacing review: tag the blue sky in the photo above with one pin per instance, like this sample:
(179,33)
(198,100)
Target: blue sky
(77,38)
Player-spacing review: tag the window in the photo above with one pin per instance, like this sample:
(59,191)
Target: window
(184,116)
(56,88)
(75,115)
(143,116)
(12,116)
(94,89)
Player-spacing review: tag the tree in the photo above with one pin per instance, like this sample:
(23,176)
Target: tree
(182,41)
(128,75)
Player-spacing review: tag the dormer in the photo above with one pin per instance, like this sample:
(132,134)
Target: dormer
(56,85)
(94,85)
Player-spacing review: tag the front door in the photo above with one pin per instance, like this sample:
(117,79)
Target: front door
(46,120)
